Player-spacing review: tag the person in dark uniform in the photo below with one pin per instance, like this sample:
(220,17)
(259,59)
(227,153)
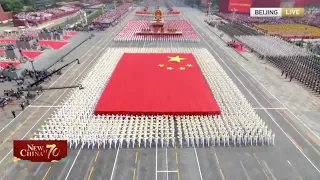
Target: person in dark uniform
(22,106)
(13,114)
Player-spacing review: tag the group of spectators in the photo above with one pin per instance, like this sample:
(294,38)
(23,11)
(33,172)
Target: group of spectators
(294,62)
(111,16)
(41,16)
(27,38)
(57,30)
(246,19)
(233,29)
(288,54)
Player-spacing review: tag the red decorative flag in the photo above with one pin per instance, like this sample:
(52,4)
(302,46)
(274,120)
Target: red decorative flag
(40,150)
(152,84)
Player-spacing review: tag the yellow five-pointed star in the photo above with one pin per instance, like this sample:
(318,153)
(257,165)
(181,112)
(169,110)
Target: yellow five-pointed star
(160,65)
(189,65)
(169,68)
(182,68)
(176,59)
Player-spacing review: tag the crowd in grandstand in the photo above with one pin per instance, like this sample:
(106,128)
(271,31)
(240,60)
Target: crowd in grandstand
(112,15)
(246,19)
(41,16)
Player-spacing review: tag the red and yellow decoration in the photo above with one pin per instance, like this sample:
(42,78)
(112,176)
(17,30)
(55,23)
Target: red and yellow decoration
(175,63)
(157,83)
(39,150)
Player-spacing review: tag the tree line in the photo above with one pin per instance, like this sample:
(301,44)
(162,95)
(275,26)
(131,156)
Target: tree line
(15,5)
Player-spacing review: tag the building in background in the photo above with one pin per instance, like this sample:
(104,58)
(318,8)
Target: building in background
(42,4)
(5,16)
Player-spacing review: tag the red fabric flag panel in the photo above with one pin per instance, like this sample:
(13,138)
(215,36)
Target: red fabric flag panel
(154,83)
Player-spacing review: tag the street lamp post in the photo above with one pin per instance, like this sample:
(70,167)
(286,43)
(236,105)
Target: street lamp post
(234,10)
(34,70)
(210,3)
(115,4)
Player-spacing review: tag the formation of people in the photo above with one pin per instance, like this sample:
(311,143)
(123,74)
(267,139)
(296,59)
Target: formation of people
(240,18)
(271,46)
(75,121)
(294,62)
(130,32)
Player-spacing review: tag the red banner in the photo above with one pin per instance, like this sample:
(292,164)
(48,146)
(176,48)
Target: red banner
(157,83)
(240,6)
(39,150)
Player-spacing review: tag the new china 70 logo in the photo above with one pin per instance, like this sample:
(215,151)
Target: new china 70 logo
(39,150)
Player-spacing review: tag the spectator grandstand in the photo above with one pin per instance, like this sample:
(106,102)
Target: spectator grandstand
(112,15)
(246,19)
(39,17)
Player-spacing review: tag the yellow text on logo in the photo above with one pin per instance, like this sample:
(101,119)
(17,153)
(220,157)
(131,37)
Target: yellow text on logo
(292,12)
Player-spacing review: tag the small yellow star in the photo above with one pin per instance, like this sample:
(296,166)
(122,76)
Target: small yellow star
(182,68)
(176,59)
(160,65)
(169,68)
(189,65)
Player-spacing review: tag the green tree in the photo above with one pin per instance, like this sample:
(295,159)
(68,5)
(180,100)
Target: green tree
(215,2)
(11,5)
(27,2)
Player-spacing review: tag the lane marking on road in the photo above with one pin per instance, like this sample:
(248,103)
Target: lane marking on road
(294,169)
(305,139)
(38,169)
(167,166)
(256,158)
(195,151)
(265,174)
(178,174)
(245,171)
(90,174)
(114,164)
(221,174)
(177,162)
(89,167)
(95,159)
(45,175)
(167,171)
(217,160)
(74,161)
(64,169)
(269,170)
(136,159)
(294,142)
(134,174)
(7,172)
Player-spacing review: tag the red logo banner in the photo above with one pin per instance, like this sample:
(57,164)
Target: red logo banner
(40,150)
(240,6)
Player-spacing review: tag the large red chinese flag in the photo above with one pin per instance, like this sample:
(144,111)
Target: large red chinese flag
(152,83)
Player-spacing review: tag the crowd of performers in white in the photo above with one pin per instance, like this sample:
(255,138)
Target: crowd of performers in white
(74,121)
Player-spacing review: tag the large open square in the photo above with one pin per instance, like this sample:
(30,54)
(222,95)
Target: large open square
(236,117)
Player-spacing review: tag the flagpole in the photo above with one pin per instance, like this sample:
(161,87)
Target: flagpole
(115,4)
(210,3)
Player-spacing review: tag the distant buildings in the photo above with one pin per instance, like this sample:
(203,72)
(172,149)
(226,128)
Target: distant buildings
(41,4)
